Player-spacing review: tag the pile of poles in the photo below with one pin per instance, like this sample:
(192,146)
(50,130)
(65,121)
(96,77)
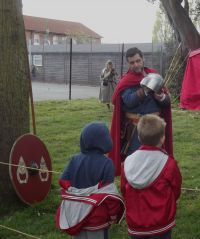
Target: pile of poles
(175,66)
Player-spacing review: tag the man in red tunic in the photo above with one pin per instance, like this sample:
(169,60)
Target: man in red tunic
(130,102)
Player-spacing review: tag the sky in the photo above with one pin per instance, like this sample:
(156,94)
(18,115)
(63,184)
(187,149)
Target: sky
(117,21)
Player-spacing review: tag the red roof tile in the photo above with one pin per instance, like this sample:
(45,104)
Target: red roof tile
(39,24)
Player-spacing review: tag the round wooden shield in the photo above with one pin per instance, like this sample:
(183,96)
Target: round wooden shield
(30,176)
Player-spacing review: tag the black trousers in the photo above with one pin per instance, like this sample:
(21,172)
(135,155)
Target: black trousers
(166,235)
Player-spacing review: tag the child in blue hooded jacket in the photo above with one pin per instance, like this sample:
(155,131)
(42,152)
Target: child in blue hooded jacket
(90,200)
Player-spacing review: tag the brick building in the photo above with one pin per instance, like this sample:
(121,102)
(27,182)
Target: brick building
(44,31)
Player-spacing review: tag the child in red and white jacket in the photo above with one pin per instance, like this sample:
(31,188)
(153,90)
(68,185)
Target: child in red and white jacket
(90,200)
(150,184)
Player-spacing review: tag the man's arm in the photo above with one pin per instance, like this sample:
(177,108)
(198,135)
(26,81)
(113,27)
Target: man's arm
(133,97)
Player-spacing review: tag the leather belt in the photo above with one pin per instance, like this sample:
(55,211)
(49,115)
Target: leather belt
(136,117)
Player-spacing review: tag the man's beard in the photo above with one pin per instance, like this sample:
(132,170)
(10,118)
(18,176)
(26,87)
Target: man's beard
(138,70)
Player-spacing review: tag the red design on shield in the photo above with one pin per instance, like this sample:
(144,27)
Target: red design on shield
(30,177)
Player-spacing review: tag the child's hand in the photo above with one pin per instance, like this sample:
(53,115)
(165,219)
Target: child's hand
(159,96)
(64,183)
(140,92)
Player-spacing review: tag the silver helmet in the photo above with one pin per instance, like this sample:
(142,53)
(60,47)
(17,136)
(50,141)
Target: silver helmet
(152,81)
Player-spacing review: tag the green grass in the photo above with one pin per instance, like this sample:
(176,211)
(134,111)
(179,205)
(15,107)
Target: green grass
(59,124)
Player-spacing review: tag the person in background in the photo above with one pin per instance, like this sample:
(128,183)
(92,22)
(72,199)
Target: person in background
(150,183)
(90,200)
(108,81)
(130,103)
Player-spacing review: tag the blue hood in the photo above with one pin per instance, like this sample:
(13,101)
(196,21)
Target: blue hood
(95,137)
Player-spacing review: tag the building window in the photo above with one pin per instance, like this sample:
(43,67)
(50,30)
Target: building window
(36,39)
(37,60)
(74,41)
(64,38)
(55,40)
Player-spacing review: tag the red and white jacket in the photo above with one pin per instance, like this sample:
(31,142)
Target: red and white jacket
(89,209)
(151,185)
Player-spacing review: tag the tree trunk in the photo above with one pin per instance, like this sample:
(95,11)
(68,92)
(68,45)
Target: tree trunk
(14,87)
(185,30)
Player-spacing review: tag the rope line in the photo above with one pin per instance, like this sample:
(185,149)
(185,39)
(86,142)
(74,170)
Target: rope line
(56,172)
(37,169)
(191,189)
(22,233)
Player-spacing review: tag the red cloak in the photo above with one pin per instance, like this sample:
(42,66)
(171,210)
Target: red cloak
(131,79)
(190,92)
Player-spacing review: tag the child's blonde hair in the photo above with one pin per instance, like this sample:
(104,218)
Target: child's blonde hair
(151,128)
